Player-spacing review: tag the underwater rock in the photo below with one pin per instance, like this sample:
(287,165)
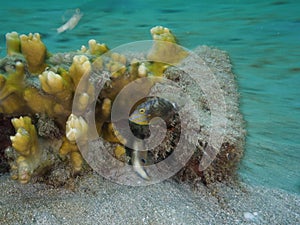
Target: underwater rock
(6,130)
(47,128)
(38,90)
(226,162)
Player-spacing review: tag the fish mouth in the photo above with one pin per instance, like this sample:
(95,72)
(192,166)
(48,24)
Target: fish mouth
(139,119)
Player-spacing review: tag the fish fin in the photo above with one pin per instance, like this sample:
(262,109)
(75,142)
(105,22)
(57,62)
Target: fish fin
(138,167)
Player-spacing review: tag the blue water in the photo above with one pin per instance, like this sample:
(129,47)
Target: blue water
(262,38)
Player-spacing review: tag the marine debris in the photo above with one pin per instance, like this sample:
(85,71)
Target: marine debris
(37,91)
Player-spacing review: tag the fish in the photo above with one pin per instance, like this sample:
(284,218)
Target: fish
(139,159)
(71,23)
(151,108)
(139,122)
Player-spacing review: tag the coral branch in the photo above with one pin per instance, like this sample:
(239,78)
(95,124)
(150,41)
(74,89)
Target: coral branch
(11,90)
(25,142)
(76,129)
(70,148)
(165,48)
(80,67)
(34,51)
(54,84)
(13,44)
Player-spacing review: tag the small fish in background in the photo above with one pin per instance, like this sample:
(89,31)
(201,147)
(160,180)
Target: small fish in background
(71,23)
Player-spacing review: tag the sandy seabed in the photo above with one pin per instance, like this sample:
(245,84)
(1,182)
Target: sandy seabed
(93,200)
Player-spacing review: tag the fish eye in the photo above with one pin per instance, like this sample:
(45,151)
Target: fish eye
(142,110)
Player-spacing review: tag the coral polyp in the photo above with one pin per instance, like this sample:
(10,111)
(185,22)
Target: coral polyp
(37,90)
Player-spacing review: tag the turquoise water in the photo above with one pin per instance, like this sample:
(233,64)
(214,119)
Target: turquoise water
(262,38)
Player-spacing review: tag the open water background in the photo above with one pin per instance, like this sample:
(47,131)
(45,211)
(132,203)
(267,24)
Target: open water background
(262,38)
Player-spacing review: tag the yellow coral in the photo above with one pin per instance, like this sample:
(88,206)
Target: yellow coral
(76,161)
(83,102)
(112,135)
(103,114)
(57,85)
(54,84)
(51,82)
(160,33)
(11,89)
(40,103)
(85,96)
(106,107)
(71,149)
(13,44)
(117,65)
(67,147)
(34,51)
(2,82)
(108,133)
(80,67)
(165,49)
(98,63)
(76,129)
(117,83)
(142,70)
(25,142)
(118,58)
(119,152)
(95,48)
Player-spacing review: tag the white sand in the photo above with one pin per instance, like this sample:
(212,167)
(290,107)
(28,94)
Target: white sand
(94,200)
